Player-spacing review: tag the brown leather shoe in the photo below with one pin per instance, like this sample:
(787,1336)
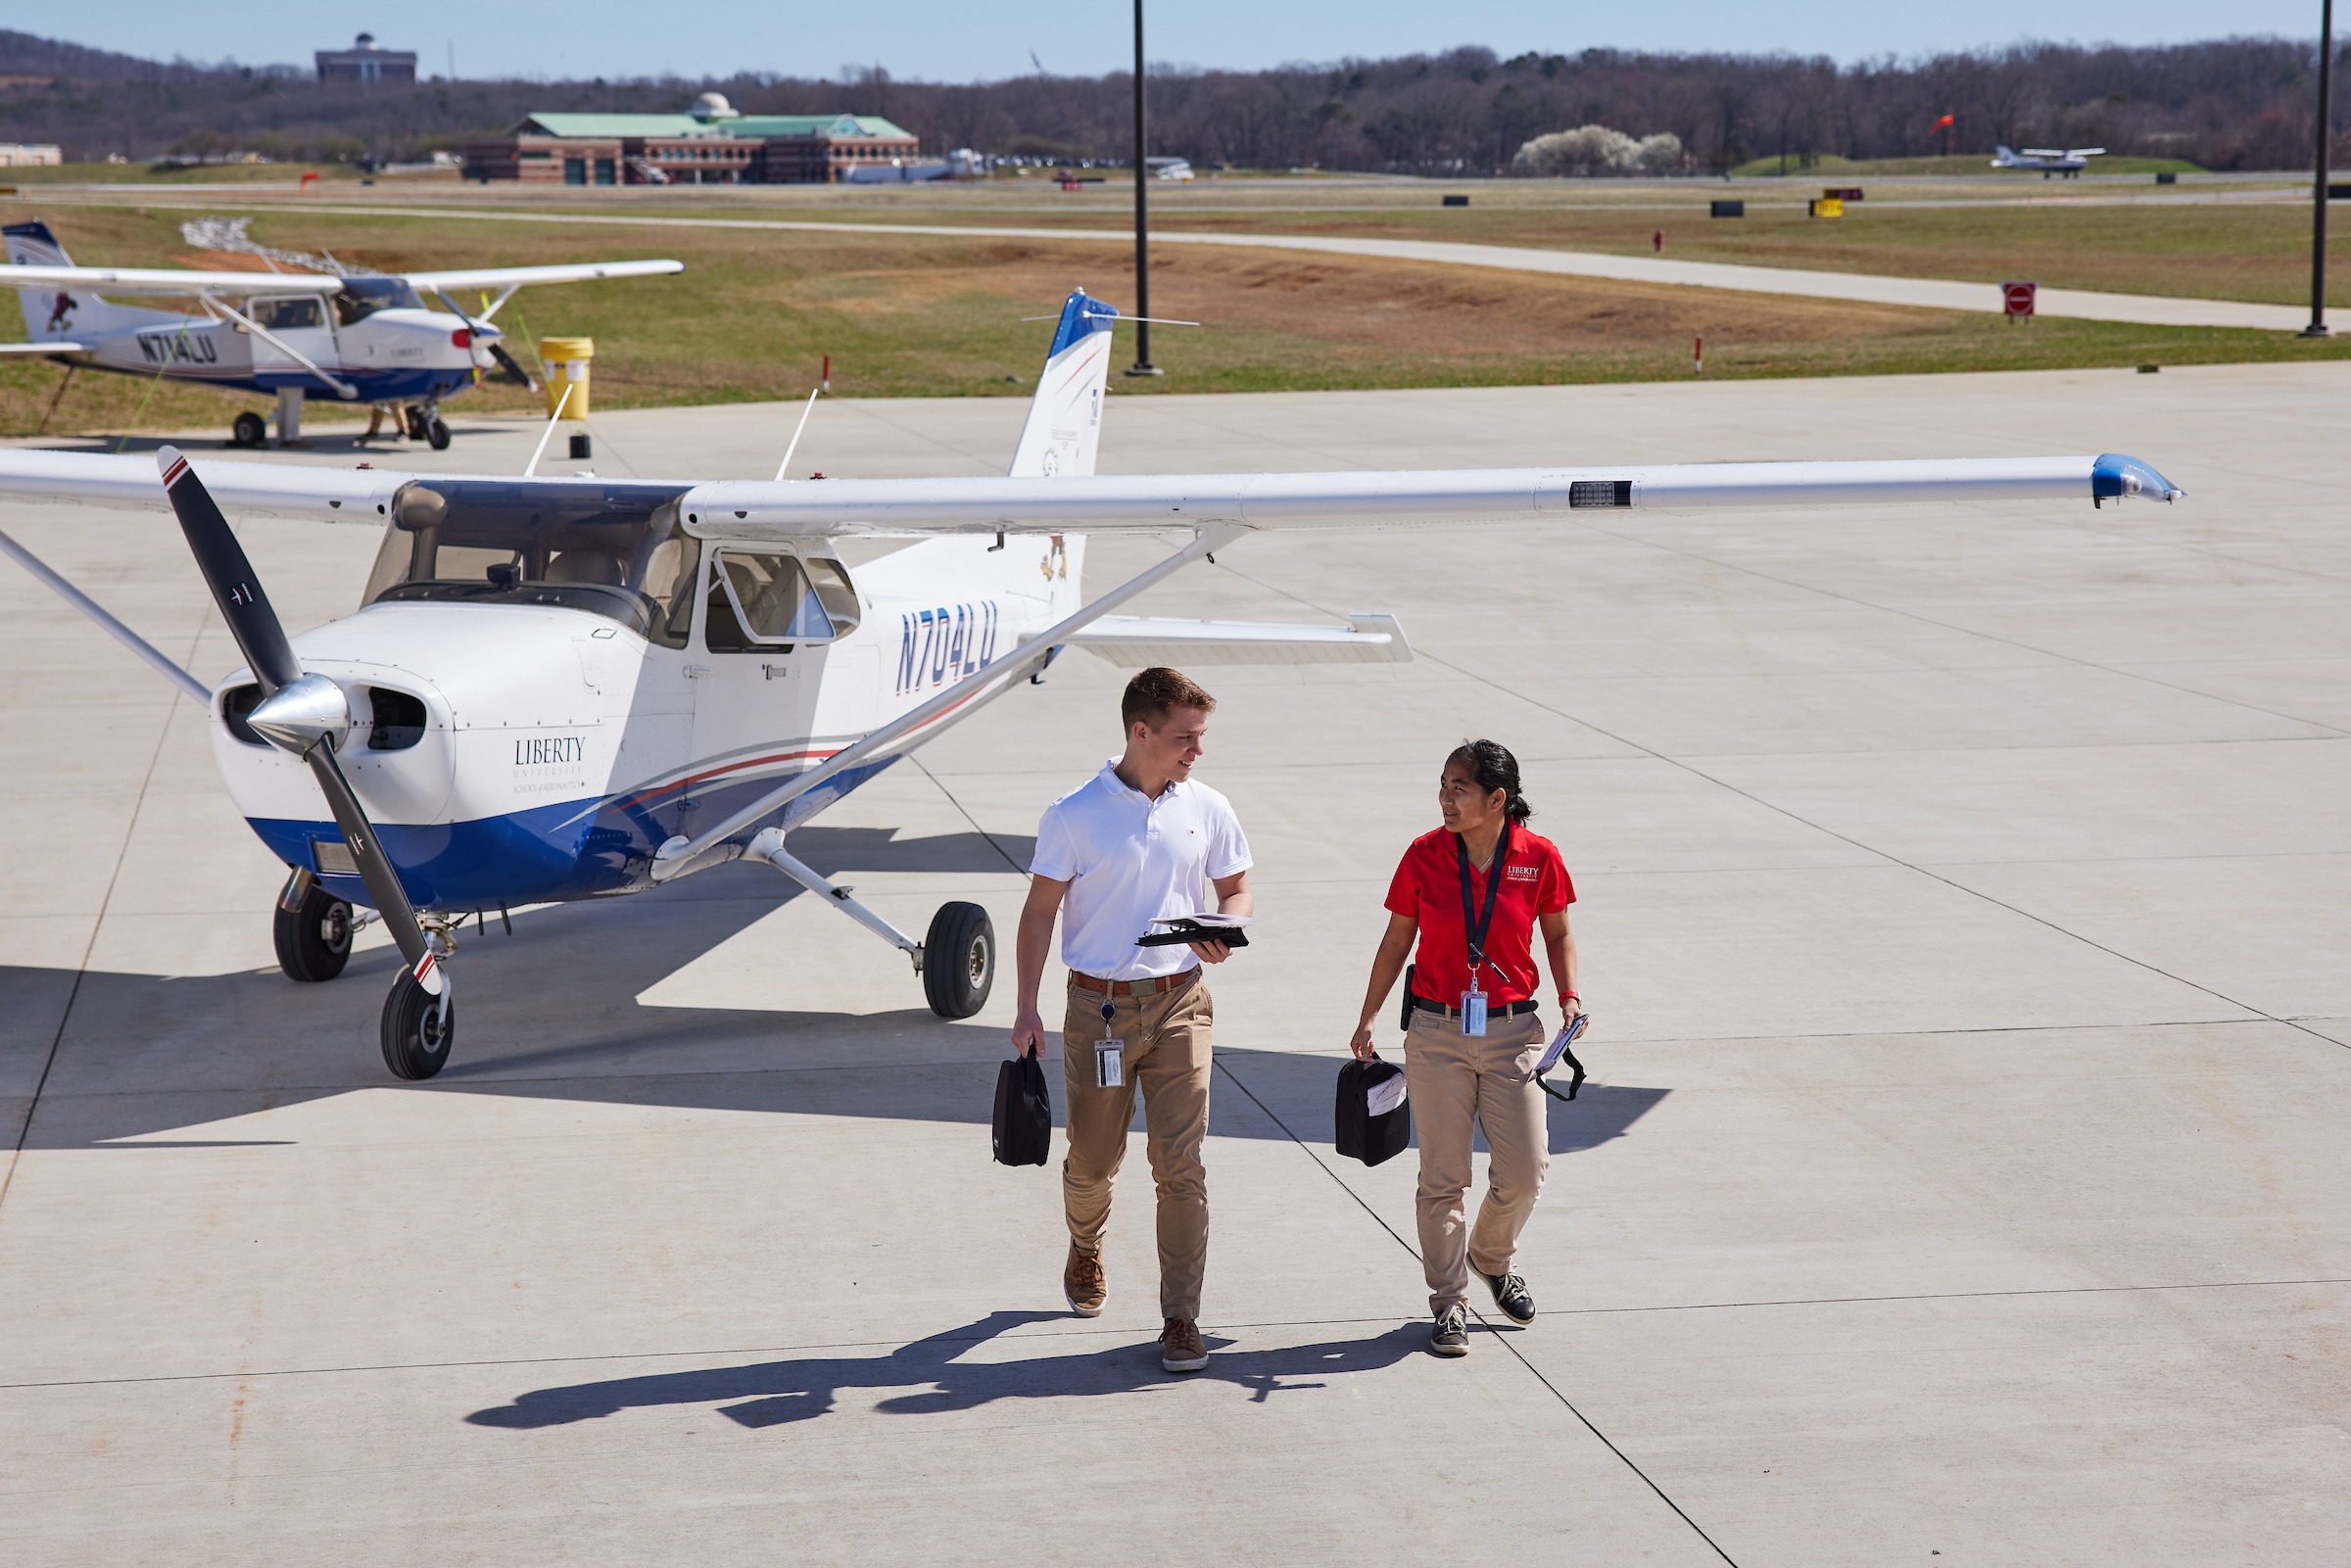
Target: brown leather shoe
(1180,1346)
(1084,1284)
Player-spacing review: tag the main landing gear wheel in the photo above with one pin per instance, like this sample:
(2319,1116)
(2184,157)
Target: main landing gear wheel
(436,432)
(412,419)
(314,942)
(959,960)
(249,429)
(417,1030)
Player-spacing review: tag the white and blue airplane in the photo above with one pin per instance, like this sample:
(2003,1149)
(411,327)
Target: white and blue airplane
(572,687)
(2067,161)
(300,335)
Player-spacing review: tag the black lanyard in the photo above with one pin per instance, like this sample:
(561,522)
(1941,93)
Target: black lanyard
(1474,924)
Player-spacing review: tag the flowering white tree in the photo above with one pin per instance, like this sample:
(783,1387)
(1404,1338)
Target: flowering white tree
(1597,150)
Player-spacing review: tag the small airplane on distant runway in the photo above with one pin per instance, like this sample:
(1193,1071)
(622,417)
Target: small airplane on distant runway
(2067,161)
(571,688)
(300,335)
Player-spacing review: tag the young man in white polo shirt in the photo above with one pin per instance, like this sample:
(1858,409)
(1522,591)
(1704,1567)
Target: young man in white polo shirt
(1140,842)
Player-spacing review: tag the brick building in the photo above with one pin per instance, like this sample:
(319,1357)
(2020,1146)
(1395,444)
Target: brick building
(711,144)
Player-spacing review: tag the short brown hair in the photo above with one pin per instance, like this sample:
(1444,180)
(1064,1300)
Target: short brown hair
(1153,691)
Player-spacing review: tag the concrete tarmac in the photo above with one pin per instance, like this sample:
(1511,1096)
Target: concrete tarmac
(1964,895)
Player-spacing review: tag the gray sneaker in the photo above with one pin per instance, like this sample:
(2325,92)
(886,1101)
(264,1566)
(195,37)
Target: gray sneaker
(1509,1294)
(1451,1336)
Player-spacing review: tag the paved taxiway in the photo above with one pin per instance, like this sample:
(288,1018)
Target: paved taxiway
(1965,895)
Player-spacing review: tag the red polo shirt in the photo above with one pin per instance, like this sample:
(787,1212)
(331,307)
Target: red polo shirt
(1427,889)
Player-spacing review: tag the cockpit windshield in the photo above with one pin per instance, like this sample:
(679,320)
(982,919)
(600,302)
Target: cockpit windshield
(361,297)
(613,549)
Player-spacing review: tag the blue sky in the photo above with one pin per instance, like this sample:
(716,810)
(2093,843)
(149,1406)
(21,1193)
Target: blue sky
(956,40)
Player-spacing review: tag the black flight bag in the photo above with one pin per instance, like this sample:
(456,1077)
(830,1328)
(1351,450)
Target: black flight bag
(1024,1126)
(1363,1132)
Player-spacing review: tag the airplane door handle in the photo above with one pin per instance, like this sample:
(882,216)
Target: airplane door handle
(695,672)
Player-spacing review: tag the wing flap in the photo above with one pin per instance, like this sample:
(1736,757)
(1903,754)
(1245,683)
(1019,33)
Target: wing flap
(1137,642)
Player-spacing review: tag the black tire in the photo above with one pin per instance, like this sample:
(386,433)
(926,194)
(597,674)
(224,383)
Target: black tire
(412,419)
(314,942)
(436,431)
(249,429)
(416,1041)
(959,960)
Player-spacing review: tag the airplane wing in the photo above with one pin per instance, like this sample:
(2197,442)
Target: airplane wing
(2083,152)
(1138,642)
(164,280)
(43,348)
(515,278)
(1151,503)
(267,490)
(2045,152)
(1380,498)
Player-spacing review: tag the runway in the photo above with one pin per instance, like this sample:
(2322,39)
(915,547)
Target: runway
(1963,892)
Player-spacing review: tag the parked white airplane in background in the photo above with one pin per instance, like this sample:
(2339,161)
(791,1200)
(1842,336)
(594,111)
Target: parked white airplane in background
(2067,161)
(565,689)
(300,335)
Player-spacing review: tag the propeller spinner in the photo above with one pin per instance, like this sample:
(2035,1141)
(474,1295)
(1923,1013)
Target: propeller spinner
(306,716)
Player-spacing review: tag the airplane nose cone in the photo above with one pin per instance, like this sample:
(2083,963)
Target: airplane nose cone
(297,716)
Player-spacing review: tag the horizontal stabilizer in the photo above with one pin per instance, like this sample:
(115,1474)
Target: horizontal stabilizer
(1137,642)
(43,348)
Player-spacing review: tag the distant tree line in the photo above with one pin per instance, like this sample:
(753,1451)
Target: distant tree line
(2235,103)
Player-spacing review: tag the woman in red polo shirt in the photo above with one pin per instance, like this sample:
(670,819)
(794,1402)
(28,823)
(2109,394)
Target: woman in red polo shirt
(1470,1054)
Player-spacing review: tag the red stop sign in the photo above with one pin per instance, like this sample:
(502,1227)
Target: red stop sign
(2017,298)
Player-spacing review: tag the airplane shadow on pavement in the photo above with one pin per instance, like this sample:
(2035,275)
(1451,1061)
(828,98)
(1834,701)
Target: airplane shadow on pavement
(769,1393)
(553,1014)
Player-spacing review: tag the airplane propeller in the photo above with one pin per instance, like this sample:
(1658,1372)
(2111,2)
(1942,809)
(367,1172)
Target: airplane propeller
(307,715)
(489,337)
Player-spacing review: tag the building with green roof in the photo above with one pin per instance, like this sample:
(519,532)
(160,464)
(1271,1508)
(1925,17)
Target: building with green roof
(711,143)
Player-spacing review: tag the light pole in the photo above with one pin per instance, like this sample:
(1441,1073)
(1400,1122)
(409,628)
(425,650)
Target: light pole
(1142,365)
(2317,207)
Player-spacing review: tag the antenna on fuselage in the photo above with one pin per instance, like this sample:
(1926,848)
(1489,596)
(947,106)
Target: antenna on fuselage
(807,409)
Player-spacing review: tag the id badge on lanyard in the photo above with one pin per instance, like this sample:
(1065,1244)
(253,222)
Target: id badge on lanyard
(1476,922)
(1109,1057)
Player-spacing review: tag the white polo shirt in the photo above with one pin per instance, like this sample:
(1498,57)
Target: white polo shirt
(1131,860)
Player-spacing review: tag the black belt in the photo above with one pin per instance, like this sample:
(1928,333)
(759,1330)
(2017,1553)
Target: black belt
(1506,1010)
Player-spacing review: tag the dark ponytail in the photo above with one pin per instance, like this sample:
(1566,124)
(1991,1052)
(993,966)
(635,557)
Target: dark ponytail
(1491,764)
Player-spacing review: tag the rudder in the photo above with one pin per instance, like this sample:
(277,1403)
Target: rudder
(1065,417)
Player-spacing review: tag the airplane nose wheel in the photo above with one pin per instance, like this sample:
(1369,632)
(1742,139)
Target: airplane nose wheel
(417,1030)
(959,960)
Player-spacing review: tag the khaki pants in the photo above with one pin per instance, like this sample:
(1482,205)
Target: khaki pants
(1167,1056)
(1457,1082)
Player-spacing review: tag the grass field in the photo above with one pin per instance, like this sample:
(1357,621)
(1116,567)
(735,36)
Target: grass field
(936,316)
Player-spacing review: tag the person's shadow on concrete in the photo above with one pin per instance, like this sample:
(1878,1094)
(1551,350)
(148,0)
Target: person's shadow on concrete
(777,1393)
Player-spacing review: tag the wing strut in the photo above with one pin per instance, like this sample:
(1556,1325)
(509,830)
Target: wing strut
(951,706)
(115,629)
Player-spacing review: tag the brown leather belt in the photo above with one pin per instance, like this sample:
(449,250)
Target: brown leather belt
(1160,986)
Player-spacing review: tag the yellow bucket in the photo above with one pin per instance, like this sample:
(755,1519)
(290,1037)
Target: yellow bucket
(565,364)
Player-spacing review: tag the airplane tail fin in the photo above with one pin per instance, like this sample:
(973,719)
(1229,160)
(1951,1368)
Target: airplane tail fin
(32,245)
(1065,417)
(53,314)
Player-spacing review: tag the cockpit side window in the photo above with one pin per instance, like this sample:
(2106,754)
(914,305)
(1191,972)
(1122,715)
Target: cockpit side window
(761,599)
(288,316)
